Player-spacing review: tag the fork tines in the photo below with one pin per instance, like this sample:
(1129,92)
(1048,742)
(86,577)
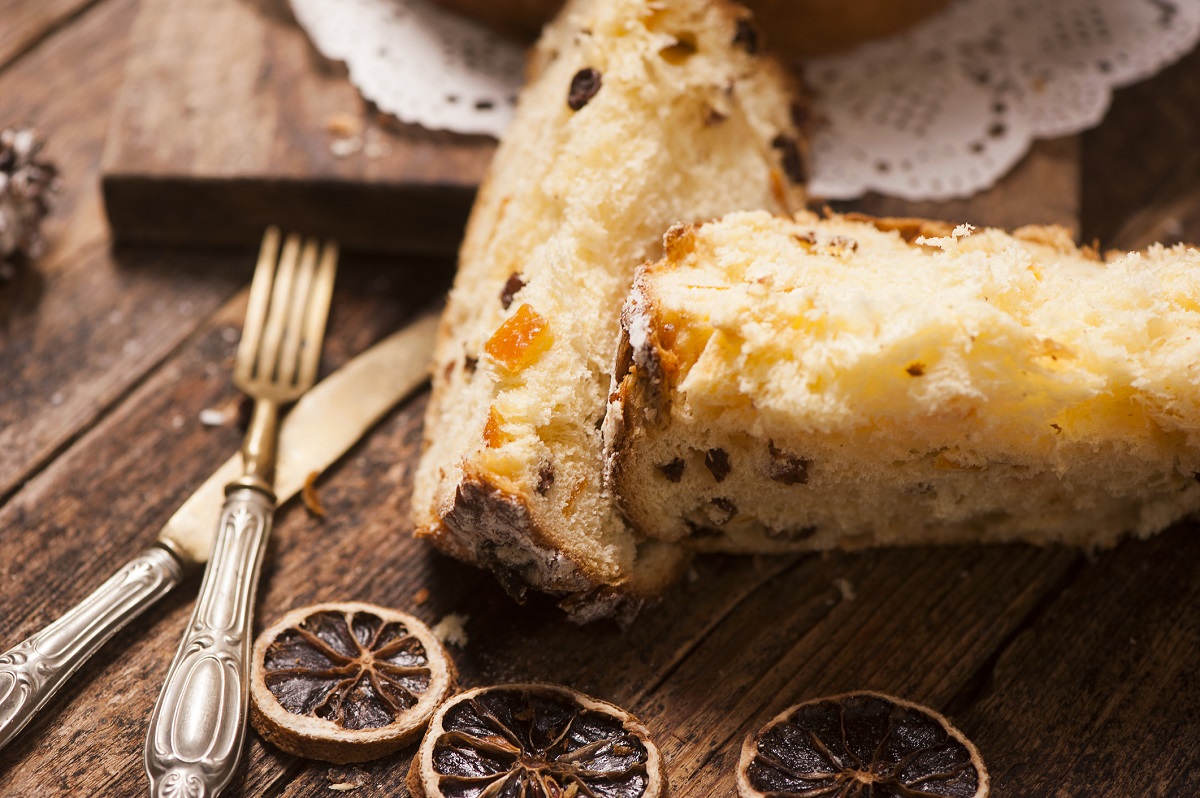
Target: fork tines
(286,314)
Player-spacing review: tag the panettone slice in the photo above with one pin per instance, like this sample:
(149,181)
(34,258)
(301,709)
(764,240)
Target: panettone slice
(815,383)
(638,114)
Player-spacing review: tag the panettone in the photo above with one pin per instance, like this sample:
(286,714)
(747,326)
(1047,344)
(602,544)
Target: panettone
(637,115)
(813,383)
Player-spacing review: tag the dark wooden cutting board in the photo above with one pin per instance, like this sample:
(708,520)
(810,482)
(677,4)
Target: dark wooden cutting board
(227,115)
(224,124)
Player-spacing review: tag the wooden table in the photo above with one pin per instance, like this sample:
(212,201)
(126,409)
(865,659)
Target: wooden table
(1076,675)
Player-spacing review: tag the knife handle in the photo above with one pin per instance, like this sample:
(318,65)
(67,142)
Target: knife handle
(198,724)
(33,670)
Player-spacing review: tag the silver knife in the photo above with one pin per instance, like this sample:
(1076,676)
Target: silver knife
(325,423)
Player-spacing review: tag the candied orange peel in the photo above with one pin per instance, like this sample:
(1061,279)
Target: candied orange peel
(520,340)
(493,432)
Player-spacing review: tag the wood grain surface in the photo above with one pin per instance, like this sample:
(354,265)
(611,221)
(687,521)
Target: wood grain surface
(26,24)
(226,122)
(1076,675)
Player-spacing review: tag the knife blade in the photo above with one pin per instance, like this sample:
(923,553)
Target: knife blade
(320,428)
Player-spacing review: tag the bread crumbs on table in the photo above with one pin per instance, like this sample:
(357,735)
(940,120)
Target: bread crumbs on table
(344,124)
(451,630)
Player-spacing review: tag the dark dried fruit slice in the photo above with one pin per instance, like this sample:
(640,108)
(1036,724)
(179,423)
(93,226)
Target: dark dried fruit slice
(346,682)
(535,741)
(860,745)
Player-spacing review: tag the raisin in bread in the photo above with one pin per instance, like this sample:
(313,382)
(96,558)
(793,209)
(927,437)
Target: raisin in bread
(813,383)
(638,114)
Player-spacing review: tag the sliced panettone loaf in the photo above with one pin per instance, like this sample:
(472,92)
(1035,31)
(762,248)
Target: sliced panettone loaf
(813,383)
(638,114)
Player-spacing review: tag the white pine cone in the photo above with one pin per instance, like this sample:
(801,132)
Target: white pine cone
(26,187)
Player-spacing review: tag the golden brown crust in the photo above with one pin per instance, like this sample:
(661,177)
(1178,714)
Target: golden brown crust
(492,528)
(910,228)
(1054,236)
(638,374)
(484,522)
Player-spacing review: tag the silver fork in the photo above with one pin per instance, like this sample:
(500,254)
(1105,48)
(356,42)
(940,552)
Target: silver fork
(198,726)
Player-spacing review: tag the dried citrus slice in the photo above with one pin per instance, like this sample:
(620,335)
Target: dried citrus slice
(535,741)
(860,745)
(346,682)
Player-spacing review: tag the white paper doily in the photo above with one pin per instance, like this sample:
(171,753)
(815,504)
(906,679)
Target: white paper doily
(418,62)
(942,110)
(947,108)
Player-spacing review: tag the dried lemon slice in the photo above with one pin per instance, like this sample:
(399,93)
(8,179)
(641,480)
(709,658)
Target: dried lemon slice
(860,745)
(535,741)
(346,682)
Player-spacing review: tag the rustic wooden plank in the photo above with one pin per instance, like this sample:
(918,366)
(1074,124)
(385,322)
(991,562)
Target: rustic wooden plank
(921,624)
(65,88)
(103,500)
(222,126)
(26,23)
(1043,188)
(90,511)
(93,336)
(1146,151)
(1173,219)
(366,500)
(1101,694)
(719,656)
(666,665)
(716,658)
(80,327)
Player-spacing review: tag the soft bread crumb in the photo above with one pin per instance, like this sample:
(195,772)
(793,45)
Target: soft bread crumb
(794,392)
(452,629)
(211,417)
(344,124)
(343,148)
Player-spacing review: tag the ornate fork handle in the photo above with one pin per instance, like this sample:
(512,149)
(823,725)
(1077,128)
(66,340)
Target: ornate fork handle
(199,722)
(33,670)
